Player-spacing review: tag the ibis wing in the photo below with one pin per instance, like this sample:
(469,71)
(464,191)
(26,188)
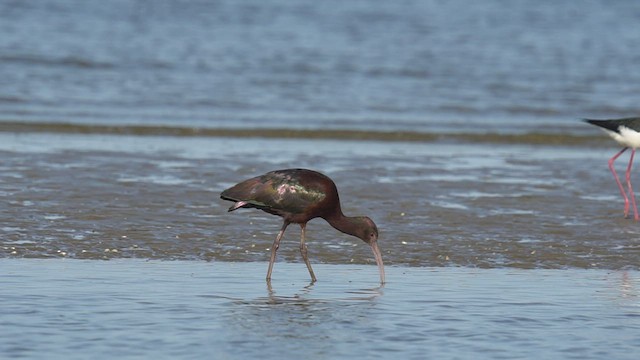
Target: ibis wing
(275,192)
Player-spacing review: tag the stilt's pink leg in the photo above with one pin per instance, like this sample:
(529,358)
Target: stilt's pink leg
(631,195)
(615,176)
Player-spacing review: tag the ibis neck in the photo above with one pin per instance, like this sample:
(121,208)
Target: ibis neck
(346,224)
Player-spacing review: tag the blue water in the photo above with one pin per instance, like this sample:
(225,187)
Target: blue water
(461,217)
(73,309)
(414,65)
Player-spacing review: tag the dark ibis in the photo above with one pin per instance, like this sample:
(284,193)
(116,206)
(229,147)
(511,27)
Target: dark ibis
(627,133)
(299,195)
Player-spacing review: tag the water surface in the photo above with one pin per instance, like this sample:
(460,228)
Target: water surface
(455,126)
(193,309)
(412,64)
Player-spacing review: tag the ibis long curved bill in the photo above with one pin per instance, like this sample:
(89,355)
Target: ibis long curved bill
(378,256)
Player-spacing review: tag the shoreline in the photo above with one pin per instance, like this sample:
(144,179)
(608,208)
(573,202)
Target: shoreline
(480,137)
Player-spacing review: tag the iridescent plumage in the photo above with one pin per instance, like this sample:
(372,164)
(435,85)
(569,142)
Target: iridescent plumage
(299,195)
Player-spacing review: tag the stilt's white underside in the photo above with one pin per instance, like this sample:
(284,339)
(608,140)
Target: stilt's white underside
(625,137)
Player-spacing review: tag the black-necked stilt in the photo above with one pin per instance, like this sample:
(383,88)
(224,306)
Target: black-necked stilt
(627,133)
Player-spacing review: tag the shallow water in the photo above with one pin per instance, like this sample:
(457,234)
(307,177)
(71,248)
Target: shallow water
(193,309)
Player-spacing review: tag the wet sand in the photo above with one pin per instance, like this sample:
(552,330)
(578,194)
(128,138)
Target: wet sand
(129,308)
(435,203)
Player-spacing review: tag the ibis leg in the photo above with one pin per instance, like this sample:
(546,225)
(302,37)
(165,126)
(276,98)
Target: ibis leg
(631,194)
(615,176)
(274,249)
(303,252)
